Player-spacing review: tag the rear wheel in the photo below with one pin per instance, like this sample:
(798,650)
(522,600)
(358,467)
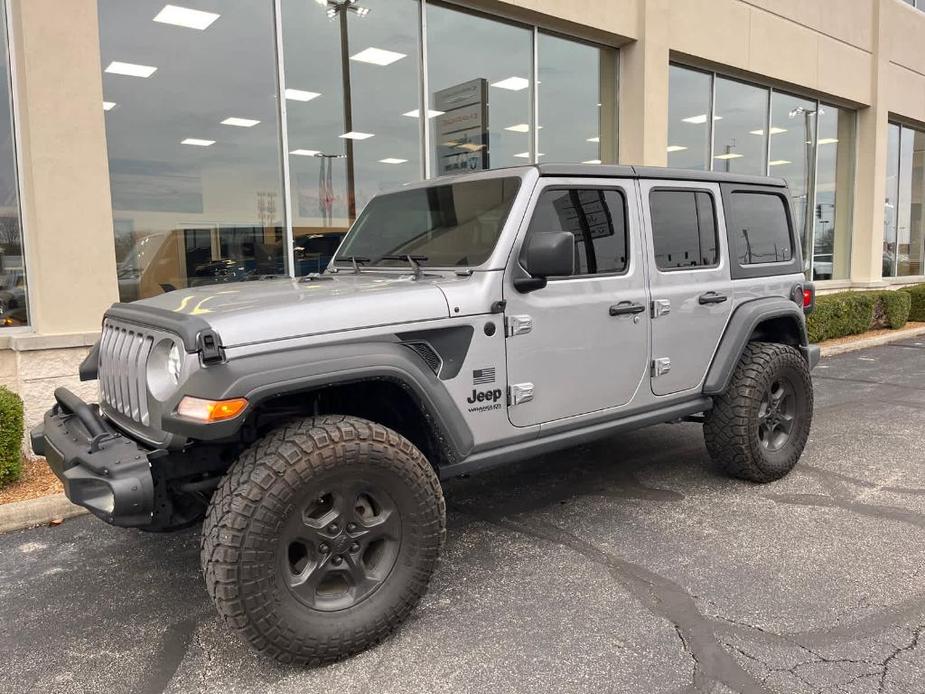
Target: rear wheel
(758,427)
(322,538)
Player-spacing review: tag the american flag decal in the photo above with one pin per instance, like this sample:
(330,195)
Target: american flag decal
(483,376)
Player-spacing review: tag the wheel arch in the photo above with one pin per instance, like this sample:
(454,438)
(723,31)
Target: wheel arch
(772,319)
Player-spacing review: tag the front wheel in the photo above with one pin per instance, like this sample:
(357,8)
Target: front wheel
(758,427)
(322,538)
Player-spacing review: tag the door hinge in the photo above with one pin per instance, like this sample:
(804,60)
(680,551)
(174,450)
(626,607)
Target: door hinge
(660,307)
(518,325)
(519,393)
(661,366)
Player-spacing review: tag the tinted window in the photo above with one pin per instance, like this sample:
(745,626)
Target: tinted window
(759,229)
(683,229)
(450,225)
(597,219)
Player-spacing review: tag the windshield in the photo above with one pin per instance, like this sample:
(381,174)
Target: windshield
(451,225)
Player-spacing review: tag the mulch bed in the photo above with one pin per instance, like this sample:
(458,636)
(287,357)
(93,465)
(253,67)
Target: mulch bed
(37,480)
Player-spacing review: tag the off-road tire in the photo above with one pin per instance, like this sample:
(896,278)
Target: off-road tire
(731,428)
(265,487)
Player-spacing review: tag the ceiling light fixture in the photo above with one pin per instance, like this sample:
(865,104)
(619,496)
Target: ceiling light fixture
(301,95)
(416,113)
(355,135)
(593,139)
(392,160)
(305,152)
(773,130)
(377,56)
(109,105)
(675,148)
(185,17)
(779,162)
(699,120)
(195,141)
(828,141)
(240,122)
(526,155)
(514,84)
(592,161)
(130,69)
(730,155)
(519,128)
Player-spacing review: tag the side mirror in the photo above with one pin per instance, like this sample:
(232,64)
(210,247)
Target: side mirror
(548,254)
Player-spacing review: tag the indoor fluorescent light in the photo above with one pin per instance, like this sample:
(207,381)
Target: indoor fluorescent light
(702,118)
(773,130)
(594,139)
(305,152)
(130,69)
(377,56)
(392,160)
(301,95)
(240,122)
(828,141)
(676,148)
(354,135)
(515,84)
(519,128)
(416,113)
(592,161)
(731,155)
(779,162)
(109,105)
(197,142)
(185,17)
(526,155)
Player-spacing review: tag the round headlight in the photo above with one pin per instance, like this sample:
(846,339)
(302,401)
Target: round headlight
(174,363)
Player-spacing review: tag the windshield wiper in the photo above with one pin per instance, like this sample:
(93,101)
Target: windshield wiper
(355,260)
(413,260)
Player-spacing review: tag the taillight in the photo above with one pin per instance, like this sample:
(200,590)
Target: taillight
(809,298)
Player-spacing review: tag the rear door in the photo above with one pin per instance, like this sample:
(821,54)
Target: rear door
(689,280)
(580,344)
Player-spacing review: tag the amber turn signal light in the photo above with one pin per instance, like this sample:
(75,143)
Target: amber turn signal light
(208,411)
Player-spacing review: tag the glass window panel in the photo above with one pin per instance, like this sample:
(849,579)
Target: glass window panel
(909,230)
(740,121)
(381,106)
(891,201)
(577,104)
(834,182)
(197,198)
(688,118)
(479,77)
(683,229)
(793,149)
(759,228)
(13,303)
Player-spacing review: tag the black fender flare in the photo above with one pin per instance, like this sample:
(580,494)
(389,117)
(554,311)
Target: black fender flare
(261,377)
(741,326)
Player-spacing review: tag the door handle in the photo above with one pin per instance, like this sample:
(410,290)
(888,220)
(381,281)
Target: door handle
(711,298)
(625,308)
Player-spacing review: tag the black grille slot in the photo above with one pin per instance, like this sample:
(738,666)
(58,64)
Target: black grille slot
(428,354)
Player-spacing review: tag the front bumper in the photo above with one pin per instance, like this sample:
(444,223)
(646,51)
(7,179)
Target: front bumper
(101,469)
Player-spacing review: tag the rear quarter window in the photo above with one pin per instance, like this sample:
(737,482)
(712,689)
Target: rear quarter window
(759,228)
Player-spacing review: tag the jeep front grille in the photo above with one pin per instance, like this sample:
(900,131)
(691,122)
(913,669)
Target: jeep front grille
(124,351)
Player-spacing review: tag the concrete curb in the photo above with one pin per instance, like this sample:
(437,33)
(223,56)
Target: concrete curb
(876,341)
(28,514)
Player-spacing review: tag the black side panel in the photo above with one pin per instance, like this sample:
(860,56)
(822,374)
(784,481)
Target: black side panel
(186,326)
(265,376)
(90,366)
(741,325)
(794,266)
(451,344)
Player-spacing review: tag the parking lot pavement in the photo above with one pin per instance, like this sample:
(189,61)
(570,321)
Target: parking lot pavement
(626,566)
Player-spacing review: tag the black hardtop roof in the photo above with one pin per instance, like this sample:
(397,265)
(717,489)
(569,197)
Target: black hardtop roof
(621,171)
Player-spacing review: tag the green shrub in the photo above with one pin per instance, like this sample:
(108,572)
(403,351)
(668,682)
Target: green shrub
(917,295)
(843,313)
(11,431)
(896,307)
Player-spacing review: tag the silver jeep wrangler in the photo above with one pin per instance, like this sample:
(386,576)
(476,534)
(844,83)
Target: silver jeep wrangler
(463,323)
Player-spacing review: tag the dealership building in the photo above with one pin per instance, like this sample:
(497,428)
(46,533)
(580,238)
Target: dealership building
(147,146)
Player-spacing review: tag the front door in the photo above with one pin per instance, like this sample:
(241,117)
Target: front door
(581,343)
(690,284)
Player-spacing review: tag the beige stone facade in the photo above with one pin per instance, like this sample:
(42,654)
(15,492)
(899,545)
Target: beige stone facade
(865,55)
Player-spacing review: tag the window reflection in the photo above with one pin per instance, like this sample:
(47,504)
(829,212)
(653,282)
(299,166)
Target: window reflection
(689,118)
(834,179)
(13,304)
(577,101)
(479,77)
(740,118)
(910,227)
(891,201)
(380,114)
(193,146)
